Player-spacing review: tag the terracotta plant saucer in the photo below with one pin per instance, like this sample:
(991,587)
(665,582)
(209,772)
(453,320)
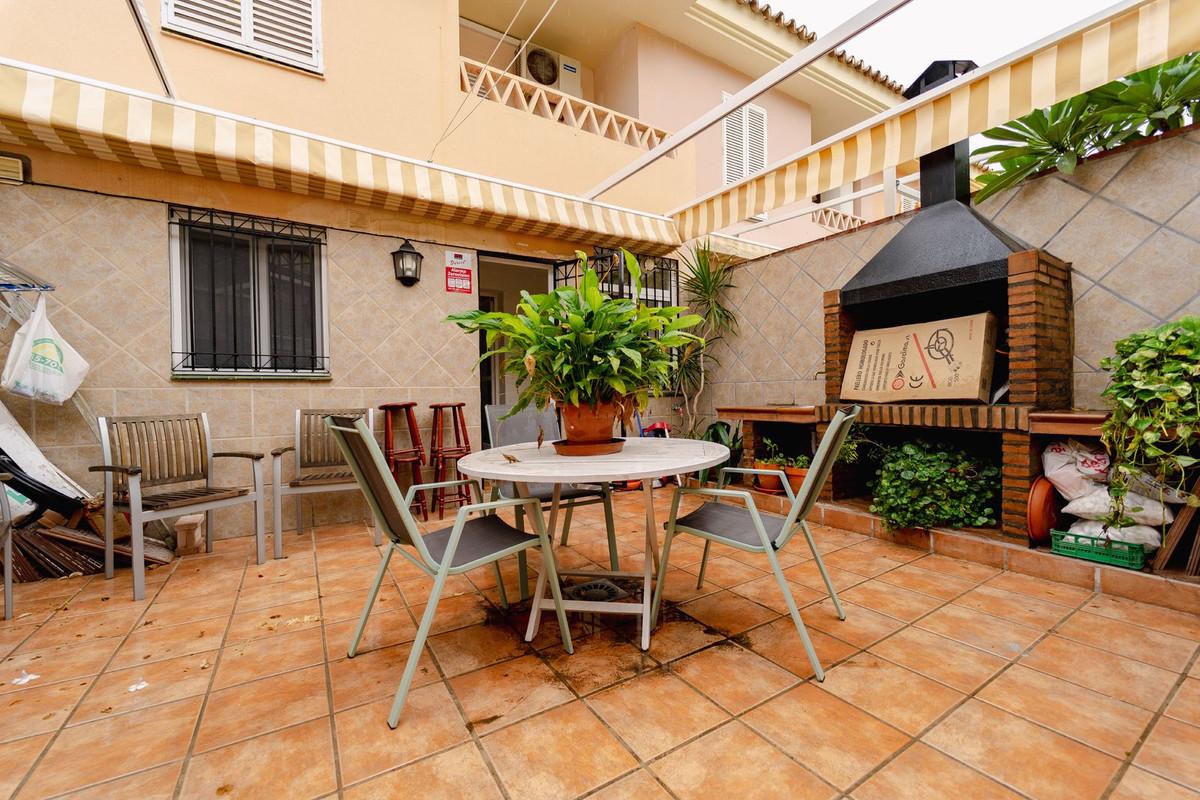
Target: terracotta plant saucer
(565,448)
(1041,515)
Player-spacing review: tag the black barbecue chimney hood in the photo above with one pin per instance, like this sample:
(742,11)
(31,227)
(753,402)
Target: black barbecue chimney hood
(947,244)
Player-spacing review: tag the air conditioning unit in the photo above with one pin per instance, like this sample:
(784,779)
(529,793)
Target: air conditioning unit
(552,70)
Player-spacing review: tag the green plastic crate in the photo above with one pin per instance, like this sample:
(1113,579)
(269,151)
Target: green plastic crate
(1120,554)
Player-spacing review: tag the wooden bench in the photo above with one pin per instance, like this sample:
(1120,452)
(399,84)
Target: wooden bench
(320,466)
(164,453)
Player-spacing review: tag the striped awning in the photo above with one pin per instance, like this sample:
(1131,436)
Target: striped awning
(1134,35)
(69,114)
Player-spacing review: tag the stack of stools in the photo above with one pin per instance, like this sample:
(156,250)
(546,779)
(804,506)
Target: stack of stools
(400,458)
(444,458)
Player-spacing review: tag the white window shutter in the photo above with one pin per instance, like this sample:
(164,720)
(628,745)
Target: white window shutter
(282,30)
(756,139)
(287,27)
(219,19)
(734,129)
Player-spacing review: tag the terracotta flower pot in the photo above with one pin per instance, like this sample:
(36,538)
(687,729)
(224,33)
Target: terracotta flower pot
(795,476)
(768,483)
(589,429)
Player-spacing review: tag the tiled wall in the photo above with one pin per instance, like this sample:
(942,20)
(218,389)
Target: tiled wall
(108,258)
(1128,221)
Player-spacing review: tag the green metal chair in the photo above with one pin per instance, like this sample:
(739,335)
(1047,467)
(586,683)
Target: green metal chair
(747,529)
(468,544)
(526,427)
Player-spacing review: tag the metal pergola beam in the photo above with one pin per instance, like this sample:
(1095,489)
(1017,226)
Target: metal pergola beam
(822,46)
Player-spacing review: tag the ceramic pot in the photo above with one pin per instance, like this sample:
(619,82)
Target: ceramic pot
(589,425)
(768,483)
(795,476)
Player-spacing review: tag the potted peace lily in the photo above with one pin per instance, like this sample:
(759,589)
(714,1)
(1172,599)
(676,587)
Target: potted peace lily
(594,356)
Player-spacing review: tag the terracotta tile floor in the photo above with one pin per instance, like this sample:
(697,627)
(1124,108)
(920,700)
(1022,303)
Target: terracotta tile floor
(947,679)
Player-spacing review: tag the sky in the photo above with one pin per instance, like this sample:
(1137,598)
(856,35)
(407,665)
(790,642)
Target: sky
(981,30)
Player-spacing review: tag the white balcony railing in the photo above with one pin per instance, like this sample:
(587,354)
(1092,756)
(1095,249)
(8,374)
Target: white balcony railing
(524,95)
(834,220)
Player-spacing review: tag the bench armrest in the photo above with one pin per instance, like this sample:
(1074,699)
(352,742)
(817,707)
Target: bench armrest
(238,454)
(116,468)
(278,451)
(5,477)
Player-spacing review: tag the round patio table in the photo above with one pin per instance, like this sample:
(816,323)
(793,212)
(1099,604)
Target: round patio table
(641,459)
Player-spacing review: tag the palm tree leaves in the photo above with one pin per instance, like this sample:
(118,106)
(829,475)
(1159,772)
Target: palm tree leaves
(1154,100)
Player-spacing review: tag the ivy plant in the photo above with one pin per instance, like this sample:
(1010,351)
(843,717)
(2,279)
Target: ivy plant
(1154,387)
(922,484)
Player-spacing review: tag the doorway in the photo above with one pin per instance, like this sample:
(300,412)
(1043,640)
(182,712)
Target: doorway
(501,281)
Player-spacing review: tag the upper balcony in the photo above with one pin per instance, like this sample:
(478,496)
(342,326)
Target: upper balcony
(531,97)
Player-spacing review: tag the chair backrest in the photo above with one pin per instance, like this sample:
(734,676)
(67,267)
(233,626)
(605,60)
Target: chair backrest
(365,459)
(818,471)
(522,427)
(315,445)
(170,449)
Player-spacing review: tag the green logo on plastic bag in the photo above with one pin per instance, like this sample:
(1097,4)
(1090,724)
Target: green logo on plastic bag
(47,355)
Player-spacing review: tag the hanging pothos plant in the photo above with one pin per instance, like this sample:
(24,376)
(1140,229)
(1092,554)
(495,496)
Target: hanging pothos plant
(1155,423)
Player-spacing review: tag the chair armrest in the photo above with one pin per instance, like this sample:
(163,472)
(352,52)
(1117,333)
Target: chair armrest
(239,454)
(116,468)
(493,505)
(278,451)
(420,487)
(778,473)
(740,494)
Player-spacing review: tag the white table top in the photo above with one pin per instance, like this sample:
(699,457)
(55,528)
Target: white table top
(640,458)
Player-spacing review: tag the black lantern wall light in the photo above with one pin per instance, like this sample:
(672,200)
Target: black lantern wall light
(406,260)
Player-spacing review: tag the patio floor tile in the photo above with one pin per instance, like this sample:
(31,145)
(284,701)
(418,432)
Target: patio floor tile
(1093,718)
(655,712)
(897,696)
(1023,755)
(454,774)
(367,746)
(734,762)
(295,762)
(109,748)
(831,737)
(1170,751)
(1011,684)
(955,664)
(921,772)
(734,677)
(505,693)
(574,753)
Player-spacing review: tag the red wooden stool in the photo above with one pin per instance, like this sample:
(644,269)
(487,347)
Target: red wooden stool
(441,455)
(397,457)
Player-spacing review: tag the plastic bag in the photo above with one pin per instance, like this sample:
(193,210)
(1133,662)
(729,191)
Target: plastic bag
(40,363)
(1133,534)
(1074,468)
(1147,486)
(1142,510)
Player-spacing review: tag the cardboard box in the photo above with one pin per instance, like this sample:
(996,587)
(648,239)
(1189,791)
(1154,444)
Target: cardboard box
(946,360)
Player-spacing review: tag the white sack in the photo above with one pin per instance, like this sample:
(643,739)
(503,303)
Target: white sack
(1074,468)
(1142,510)
(1144,535)
(40,363)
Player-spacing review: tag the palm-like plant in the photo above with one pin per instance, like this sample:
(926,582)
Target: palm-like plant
(1152,101)
(577,346)
(706,281)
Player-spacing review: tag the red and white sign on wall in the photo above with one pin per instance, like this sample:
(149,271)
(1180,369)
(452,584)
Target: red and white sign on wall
(459,271)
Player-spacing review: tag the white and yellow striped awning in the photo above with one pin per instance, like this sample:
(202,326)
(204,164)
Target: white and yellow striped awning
(1131,36)
(71,114)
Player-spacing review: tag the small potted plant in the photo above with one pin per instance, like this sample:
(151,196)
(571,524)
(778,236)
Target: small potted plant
(796,470)
(772,460)
(594,356)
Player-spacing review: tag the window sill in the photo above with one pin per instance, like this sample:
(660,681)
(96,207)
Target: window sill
(317,72)
(251,376)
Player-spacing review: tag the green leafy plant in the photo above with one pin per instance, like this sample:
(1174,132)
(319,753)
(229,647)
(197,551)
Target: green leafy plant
(575,345)
(773,457)
(729,435)
(1154,387)
(797,462)
(857,446)
(921,484)
(1152,101)
(706,280)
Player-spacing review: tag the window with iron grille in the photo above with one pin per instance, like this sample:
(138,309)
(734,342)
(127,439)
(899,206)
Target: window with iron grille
(248,295)
(660,276)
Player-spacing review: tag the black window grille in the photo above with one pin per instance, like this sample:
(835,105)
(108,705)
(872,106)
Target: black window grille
(660,276)
(251,294)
